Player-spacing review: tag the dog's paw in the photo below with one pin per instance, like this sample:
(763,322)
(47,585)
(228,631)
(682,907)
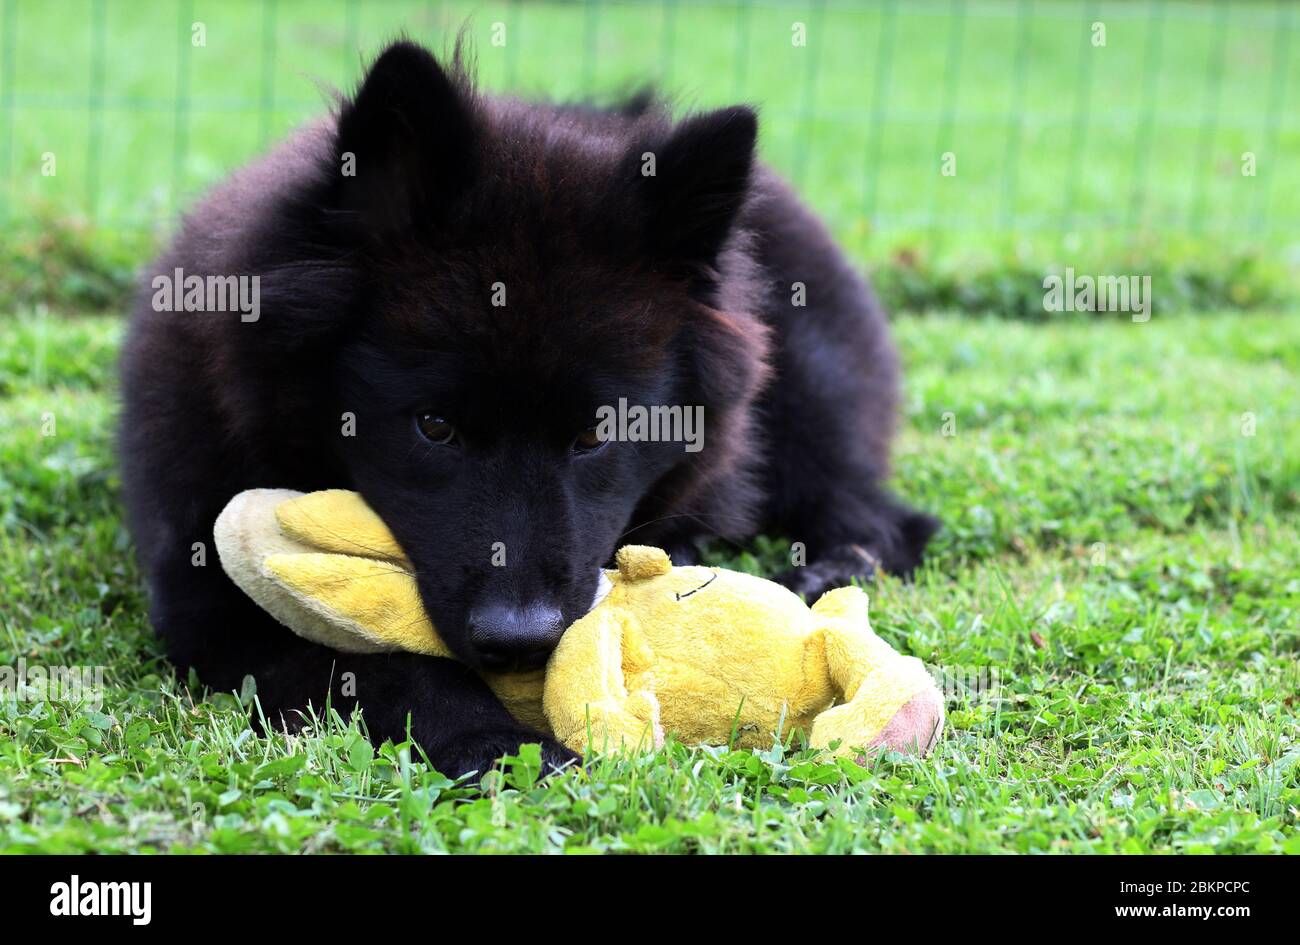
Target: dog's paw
(481,754)
(838,568)
(557,757)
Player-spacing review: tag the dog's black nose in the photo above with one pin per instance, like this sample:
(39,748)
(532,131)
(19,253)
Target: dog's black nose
(515,637)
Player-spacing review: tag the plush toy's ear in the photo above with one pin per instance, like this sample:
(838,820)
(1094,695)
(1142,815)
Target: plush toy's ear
(405,146)
(846,603)
(638,562)
(325,566)
(700,180)
(339,521)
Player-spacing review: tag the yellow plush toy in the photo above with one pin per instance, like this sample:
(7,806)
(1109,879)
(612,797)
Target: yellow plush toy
(707,654)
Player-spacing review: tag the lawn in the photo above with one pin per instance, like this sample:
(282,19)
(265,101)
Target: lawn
(1119,568)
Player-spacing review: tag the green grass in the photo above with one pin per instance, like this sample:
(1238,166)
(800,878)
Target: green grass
(1118,553)
(1122,158)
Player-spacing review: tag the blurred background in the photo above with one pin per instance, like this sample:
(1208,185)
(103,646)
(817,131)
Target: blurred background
(959,148)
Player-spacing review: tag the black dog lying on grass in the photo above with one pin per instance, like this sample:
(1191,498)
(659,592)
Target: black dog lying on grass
(439,293)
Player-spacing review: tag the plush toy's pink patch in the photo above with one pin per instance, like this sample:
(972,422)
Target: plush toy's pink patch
(916,726)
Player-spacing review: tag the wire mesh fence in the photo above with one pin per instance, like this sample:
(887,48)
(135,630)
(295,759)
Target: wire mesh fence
(938,122)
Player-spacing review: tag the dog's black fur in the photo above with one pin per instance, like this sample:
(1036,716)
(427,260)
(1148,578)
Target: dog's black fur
(376,301)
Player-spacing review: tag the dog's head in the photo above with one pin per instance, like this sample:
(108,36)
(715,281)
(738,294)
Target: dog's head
(524,271)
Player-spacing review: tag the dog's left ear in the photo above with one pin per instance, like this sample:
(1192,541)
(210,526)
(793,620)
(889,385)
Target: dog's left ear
(697,182)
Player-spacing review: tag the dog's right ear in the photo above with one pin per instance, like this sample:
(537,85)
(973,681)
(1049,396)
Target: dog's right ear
(701,179)
(406,142)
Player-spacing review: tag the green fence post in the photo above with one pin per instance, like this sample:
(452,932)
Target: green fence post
(435,14)
(351,36)
(1142,140)
(512,45)
(590,35)
(1209,118)
(880,96)
(94,135)
(669,44)
(740,76)
(1015,120)
(1079,131)
(9,17)
(951,77)
(181,103)
(816,37)
(1276,96)
(268,71)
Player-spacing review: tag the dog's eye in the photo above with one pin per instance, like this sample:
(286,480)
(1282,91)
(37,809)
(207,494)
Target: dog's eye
(588,441)
(436,429)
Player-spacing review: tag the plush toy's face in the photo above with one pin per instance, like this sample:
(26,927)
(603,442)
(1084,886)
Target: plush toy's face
(696,598)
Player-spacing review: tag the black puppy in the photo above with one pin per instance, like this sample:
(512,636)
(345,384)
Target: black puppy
(450,288)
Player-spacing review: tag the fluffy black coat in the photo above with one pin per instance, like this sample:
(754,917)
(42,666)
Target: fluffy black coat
(385,239)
